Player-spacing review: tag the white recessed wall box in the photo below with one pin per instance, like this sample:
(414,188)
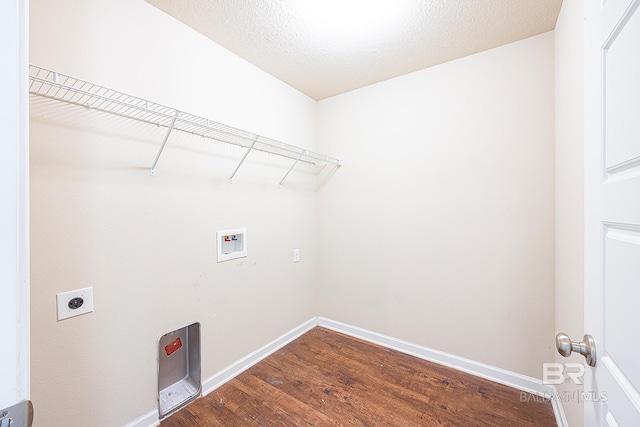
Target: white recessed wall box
(232,244)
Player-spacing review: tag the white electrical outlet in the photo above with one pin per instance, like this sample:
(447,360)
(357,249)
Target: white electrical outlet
(296,255)
(75,303)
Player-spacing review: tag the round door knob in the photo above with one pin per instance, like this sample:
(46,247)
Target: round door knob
(587,347)
(563,344)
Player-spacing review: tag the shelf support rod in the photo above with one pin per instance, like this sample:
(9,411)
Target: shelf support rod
(166,138)
(291,168)
(243,158)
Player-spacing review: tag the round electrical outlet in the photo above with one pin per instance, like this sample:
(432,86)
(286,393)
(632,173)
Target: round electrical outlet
(75,303)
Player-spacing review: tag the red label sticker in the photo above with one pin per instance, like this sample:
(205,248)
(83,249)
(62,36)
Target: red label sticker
(173,346)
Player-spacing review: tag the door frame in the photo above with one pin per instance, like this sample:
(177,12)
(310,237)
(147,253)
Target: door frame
(14,193)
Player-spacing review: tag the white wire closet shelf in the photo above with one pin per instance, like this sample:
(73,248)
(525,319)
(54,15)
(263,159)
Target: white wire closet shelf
(60,87)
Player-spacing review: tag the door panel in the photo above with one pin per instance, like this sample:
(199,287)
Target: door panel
(612,210)
(622,112)
(621,295)
(622,128)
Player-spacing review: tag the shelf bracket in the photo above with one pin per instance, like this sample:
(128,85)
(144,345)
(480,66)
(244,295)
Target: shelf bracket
(166,137)
(243,158)
(291,168)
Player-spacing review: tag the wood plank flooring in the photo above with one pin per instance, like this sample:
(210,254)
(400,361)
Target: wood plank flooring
(325,378)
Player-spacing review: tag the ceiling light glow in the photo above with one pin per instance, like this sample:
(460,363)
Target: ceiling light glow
(352,22)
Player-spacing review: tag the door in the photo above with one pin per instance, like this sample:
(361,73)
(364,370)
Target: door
(14,266)
(612,210)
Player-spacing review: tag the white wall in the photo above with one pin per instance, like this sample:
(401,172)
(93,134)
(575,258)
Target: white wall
(147,244)
(439,229)
(569,199)
(14,214)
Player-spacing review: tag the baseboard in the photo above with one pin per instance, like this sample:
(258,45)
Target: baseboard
(492,373)
(150,419)
(248,361)
(558,411)
(502,376)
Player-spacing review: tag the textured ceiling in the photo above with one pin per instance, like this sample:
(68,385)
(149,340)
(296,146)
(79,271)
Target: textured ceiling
(327,47)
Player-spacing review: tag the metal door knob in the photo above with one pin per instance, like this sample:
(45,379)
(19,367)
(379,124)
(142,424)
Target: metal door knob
(587,347)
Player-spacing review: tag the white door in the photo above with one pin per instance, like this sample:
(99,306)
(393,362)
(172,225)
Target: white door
(612,217)
(14,283)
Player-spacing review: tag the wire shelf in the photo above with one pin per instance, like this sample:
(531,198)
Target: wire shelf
(60,87)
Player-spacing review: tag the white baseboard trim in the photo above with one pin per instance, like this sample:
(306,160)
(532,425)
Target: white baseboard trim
(249,360)
(492,373)
(558,411)
(150,419)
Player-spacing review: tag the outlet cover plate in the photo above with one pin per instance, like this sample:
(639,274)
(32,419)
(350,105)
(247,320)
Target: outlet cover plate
(64,312)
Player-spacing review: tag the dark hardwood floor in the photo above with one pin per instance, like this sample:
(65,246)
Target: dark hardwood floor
(325,378)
